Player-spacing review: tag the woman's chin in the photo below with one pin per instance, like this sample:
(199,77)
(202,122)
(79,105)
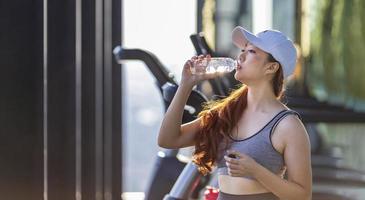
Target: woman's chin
(239,78)
(243,79)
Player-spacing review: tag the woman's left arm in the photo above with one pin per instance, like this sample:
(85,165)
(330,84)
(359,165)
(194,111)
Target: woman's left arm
(297,159)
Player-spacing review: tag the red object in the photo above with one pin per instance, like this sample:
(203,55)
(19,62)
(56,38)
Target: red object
(211,193)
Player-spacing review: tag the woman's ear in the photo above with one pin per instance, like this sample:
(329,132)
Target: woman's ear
(272,67)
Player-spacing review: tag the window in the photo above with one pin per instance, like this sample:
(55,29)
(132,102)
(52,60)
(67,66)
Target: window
(163,28)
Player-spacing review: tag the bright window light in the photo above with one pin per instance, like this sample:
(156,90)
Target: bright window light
(262,15)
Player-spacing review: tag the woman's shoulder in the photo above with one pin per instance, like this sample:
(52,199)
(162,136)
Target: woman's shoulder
(291,126)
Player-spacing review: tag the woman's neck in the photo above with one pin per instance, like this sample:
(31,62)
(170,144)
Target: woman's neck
(261,98)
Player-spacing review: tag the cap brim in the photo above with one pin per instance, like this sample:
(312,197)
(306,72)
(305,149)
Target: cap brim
(241,36)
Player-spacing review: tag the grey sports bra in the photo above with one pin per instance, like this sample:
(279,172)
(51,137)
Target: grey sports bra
(258,146)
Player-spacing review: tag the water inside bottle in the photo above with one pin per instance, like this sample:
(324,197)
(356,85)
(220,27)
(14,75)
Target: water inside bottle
(215,65)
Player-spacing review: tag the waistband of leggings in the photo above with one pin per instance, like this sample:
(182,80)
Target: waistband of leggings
(259,196)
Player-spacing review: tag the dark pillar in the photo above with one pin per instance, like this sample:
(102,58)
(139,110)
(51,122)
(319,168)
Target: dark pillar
(21,58)
(60,105)
(61,99)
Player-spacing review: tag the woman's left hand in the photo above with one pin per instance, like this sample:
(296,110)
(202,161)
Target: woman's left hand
(242,165)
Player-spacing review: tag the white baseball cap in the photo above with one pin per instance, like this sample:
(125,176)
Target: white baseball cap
(271,41)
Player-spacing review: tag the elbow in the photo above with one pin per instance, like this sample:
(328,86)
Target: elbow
(163,143)
(165,140)
(160,141)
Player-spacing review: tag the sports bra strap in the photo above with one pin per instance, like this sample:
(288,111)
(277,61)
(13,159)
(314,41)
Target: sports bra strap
(281,117)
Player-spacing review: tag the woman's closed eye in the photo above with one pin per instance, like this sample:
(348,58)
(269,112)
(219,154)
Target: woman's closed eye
(251,51)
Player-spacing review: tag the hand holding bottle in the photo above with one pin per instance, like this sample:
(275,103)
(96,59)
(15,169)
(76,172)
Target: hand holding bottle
(190,79)
(204,67)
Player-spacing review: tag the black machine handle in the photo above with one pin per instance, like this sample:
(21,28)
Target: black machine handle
(200,44)
(153,63)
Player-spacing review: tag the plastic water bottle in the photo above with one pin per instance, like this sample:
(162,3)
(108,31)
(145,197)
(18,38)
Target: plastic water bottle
(217,64)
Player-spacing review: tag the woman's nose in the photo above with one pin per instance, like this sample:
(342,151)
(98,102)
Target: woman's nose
(241,57)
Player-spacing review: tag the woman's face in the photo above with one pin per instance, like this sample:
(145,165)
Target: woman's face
(251,64)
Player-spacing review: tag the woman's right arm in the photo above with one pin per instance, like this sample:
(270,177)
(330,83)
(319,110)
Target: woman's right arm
(172,133)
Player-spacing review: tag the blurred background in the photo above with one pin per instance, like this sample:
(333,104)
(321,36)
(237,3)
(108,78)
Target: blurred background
(77,124)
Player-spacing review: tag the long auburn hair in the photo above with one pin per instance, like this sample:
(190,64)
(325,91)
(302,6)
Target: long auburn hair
(218,118)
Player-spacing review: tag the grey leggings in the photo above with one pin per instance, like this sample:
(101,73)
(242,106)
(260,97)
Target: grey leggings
(262,196)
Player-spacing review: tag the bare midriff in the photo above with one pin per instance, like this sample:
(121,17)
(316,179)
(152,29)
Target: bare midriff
(240,185)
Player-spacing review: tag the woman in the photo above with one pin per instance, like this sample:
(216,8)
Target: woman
(250,136)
